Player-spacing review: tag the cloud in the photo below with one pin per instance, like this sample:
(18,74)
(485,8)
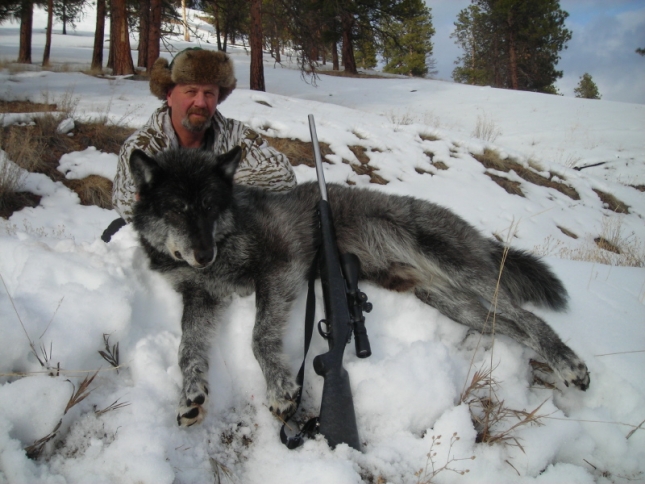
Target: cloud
(605,36)
(605,48)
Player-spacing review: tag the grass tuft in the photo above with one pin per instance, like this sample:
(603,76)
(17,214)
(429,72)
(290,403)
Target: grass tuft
(298,152)
(493,420)
(611,202)
(610,247)
(39,147)
(493,161)
(432,468)
(486,129)
(364,167)
(111,353)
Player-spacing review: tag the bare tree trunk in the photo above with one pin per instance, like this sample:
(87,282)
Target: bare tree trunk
(334,57)
(255,39)
(123,64)
(348,46)
(48,37)
(110,62)
(99,36)
(154,36)
(184,16)
(144,32)
(26,26)
(217,27)
(512,53)
(64,17)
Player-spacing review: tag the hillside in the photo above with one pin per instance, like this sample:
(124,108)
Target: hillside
(514,178)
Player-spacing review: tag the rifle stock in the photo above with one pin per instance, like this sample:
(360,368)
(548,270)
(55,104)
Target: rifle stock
(337,421)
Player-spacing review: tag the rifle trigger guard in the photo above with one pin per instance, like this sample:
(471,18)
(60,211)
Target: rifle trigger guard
(325,333)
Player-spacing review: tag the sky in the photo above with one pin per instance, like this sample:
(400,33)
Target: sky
(71,290)
(605,37)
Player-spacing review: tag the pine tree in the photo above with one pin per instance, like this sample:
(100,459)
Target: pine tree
(512,44)
(99,36)
(640,51)
(587,89)
(48,35)
(26,12)
(256,42)
(120,39)
(408,45)
(68,12)
(482,63)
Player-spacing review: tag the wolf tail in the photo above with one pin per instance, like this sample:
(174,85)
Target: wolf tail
(527,279)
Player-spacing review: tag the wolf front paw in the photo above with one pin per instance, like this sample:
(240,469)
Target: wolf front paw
(283,399)
(192,409)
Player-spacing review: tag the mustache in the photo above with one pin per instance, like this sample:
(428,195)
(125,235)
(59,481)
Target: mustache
(201,111)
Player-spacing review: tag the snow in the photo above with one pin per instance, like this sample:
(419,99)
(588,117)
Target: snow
(70,289)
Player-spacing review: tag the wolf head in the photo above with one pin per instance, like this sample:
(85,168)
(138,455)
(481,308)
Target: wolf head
(183,197)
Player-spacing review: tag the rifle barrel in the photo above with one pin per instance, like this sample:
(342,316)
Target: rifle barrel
(318,157)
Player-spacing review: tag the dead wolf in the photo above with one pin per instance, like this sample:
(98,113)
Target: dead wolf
(210,238)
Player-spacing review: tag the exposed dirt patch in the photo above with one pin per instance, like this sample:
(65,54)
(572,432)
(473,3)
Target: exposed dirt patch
(567,232)
(491,160)
(612,202)
(510,186)
(298,152)
(365,168)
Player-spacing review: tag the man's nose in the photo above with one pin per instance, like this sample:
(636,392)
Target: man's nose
(199,99)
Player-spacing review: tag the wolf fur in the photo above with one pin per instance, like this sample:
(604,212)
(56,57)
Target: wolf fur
(211,238)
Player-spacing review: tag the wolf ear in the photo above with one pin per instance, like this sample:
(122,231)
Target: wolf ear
(143,168)
(228,162)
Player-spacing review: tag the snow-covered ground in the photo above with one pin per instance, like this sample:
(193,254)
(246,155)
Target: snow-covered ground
(70,289)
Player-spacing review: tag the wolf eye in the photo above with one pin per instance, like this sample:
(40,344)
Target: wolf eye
(207,204)
(178,208)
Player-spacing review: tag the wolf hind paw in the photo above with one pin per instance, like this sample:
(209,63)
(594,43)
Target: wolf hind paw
(573,372)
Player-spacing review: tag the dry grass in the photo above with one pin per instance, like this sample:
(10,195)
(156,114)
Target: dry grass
(400,118)
(428,137)
(611,202)
(493,161)
(493,420)
(432,468)
(511,187)
(360,75)
(567,232)
(298,152)
(25,107)
(39,147)
(364,168)
(301,153)
(93,190)
(611,247)
(486,129)
(110,353)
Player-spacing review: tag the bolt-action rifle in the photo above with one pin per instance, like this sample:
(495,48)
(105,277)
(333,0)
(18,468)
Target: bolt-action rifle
(344,306)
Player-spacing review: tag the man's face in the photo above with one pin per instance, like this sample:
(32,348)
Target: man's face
(193,105)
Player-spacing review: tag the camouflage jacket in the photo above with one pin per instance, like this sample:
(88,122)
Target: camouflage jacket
(261,165)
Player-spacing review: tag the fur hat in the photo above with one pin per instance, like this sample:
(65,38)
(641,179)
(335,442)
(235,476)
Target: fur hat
(193,66)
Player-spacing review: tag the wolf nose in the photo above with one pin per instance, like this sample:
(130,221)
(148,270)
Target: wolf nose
(203,257)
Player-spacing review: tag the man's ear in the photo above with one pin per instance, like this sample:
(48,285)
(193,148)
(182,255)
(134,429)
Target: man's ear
(143,168)
(228,162)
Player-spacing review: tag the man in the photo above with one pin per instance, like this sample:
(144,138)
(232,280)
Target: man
(192,86)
